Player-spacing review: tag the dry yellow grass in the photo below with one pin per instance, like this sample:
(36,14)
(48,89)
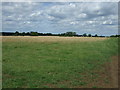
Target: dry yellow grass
(48,39)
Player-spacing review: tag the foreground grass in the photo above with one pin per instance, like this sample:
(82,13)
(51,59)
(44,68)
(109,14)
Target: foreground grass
(54,64)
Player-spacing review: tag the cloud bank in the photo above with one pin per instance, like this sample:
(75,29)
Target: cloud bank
(83,17)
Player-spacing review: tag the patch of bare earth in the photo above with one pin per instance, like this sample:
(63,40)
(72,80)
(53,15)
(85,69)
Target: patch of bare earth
(108,75)
(112,71)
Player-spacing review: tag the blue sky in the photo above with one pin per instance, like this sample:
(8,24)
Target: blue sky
(83,17)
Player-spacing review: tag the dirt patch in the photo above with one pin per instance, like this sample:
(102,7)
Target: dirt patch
(107,76)
(112,71)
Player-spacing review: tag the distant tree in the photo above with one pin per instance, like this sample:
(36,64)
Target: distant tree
(33,34)
(118,35)
(16,33)
(101,36)
(8,33)
(112,36)
(40,34)
(89,35)
(62,34)
(28,34)
(23,33)
(85,35)
(115,36)
(70,33)
(96,35)
(49,34)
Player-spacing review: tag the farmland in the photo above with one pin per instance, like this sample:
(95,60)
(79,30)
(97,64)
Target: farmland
(59,62)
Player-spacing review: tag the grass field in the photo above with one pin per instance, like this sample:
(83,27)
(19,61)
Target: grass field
(58,62)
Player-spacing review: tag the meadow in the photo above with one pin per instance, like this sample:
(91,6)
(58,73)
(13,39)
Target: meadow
(59,62)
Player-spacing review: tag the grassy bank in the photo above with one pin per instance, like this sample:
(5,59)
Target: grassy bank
(55,64)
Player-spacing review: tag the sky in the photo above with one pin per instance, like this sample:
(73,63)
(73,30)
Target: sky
(58,17)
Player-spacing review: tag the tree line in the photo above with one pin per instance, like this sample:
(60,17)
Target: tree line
(50,34)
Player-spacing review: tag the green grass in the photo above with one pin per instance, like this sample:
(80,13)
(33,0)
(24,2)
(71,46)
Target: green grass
(54,64)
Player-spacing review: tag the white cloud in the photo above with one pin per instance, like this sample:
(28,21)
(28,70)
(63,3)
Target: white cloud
(82,15)
(73,23)
(107,22)
(58,17)
(72,5)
